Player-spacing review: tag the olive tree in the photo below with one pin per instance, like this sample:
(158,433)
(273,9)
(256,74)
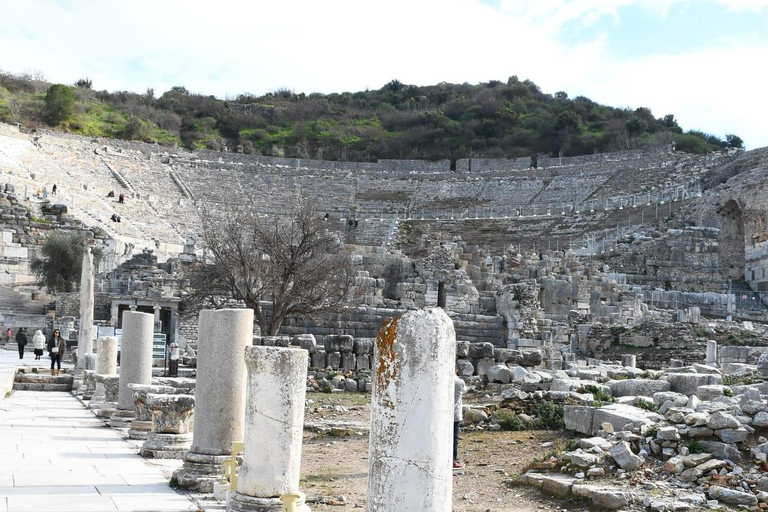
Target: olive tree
(59,267)
(290,264)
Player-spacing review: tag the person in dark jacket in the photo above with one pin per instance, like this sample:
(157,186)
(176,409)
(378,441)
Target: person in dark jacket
(21,341)
(56,348)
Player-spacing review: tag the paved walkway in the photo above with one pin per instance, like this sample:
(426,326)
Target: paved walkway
(56,456)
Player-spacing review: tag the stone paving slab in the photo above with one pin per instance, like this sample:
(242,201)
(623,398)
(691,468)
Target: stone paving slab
(57,457)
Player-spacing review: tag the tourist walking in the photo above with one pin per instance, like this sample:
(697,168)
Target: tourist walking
(53,190)
(21,341)
(8,335)
(56,348)
(38,344)
(458,415)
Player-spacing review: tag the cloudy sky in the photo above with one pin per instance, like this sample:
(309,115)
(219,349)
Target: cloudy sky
(705,61)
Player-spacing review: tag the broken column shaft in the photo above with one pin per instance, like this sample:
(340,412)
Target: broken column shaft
(410,451)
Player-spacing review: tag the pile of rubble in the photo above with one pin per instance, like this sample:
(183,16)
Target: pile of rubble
(679,439)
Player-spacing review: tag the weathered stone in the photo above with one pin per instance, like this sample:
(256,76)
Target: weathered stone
(481,350)
(363,346)
(721,420)
(305,341)
(732,496)
(668,434)
(722,450)
(579,418)
(610,498)
(339,343)
(700,432)
(557,485)
(730,435)
(465,368)
(760,420)
(691,475)
(624,457)
(687,383)
(707,393)
(581,459)
(462,348)
(637,387)
(674,465)
(499,373)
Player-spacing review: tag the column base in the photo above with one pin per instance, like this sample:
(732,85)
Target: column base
(243,503)
(121,419)
(107,409)
(199,471)
(139,429)
(166,446)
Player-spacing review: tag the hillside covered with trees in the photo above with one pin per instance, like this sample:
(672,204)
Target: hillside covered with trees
(493,119)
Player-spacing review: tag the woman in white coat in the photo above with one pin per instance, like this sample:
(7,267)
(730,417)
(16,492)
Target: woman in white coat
(38,343)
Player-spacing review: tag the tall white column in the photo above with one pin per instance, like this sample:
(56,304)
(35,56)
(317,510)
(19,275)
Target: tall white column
(274,424)
(85,334)
(711,352)
(219,395)
(411,441)
(135,363)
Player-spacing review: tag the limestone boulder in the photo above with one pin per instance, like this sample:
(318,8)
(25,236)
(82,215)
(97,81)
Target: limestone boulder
(481,350)
(720,420)
(305,341)
(339,343)
(732,496)
(462,348)
(637,387)
(466,368)
(622,454)
(363,346)
(499,373)
(688,383)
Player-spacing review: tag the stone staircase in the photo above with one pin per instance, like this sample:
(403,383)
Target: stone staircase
(41,381)
(19,303)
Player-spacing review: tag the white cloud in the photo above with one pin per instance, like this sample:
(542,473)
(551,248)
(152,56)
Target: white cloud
(229,47)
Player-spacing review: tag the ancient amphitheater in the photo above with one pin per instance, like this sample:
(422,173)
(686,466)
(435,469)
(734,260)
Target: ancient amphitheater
(673,230)
(621,296)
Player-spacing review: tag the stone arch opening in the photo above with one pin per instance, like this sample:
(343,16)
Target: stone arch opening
(731,240)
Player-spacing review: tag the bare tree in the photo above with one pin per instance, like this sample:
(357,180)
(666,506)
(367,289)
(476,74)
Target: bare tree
(290,262)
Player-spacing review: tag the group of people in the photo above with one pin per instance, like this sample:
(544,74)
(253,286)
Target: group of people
(55,345)
(120,198)
(115,218)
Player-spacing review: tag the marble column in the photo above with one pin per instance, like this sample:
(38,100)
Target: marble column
(219,395)
(172,424)
(274,423)
(106,364)
(629,360)
(135,363)
(85,334)
(411,441)
(711,353)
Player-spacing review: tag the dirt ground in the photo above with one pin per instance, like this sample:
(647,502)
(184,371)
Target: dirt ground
(335,467)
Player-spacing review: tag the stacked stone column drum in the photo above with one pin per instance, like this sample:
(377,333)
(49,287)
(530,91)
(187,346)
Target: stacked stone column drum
(274,423)
(219,395)
(172,425)
(410,449)
(135,363)
(142,422)
(106,365)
